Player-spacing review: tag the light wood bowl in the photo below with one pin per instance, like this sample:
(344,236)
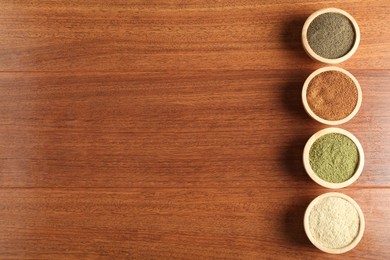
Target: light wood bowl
(315,242)
(319,58)
(320,119)
(314,176)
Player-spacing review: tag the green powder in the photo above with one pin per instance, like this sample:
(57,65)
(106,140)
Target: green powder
(334,157)
(331,35)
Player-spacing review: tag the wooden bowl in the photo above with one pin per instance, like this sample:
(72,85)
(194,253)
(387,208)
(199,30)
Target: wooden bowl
(314,176)
(319,58)
(315,116)
(315,242)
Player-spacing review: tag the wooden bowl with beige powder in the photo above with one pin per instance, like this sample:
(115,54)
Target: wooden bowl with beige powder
(330,35)
(334,223)
(331,95)
(333,158)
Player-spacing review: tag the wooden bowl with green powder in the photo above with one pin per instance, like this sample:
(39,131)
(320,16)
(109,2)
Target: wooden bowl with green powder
(334,223)
(330,35)
(331,95)
(333,158)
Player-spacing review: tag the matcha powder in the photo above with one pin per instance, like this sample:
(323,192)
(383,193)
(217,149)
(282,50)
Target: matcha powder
(334,157)
(331,35)
(334,222)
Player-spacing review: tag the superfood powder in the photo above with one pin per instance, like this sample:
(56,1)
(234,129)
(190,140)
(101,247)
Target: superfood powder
(331,35)
(334,157)
(332,95)
(334,222)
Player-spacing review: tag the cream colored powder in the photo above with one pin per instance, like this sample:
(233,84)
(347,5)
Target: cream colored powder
(334,222)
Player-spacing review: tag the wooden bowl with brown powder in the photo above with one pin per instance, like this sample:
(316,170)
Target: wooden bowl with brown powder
(330,35)
(333,158)
(331,95)
(334,223)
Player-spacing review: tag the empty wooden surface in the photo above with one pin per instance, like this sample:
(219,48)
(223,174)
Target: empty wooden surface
(175,130)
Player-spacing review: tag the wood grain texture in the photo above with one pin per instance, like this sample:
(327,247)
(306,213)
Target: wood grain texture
(175,129)
(175,223)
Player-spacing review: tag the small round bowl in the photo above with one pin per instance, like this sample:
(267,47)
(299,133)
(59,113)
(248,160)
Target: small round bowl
(314,176)
(315,242)
(320,119)
(319,58)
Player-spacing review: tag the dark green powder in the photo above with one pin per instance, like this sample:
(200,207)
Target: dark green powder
(331,35)
(334,157)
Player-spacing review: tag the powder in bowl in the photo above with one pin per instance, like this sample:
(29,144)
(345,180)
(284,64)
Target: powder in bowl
(334,157)
(331,35)
(332,95)
(334,222)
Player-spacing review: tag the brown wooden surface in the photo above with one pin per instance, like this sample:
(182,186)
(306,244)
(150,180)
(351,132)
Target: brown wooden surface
(174,129)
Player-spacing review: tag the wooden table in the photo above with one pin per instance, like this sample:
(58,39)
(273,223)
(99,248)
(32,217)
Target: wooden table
(174,129)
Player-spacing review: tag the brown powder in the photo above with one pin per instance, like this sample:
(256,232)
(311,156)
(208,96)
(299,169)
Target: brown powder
(332,95)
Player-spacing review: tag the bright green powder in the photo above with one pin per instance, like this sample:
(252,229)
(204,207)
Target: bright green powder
(334,157)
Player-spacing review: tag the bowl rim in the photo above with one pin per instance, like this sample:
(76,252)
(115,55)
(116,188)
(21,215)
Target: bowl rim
(314,176)
(319,58)
(314,115)
(306,223)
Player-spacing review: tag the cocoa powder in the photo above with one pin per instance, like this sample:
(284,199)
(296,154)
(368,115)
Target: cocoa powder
(332,95)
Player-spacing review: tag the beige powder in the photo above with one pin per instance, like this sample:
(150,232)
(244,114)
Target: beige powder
(334,222)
